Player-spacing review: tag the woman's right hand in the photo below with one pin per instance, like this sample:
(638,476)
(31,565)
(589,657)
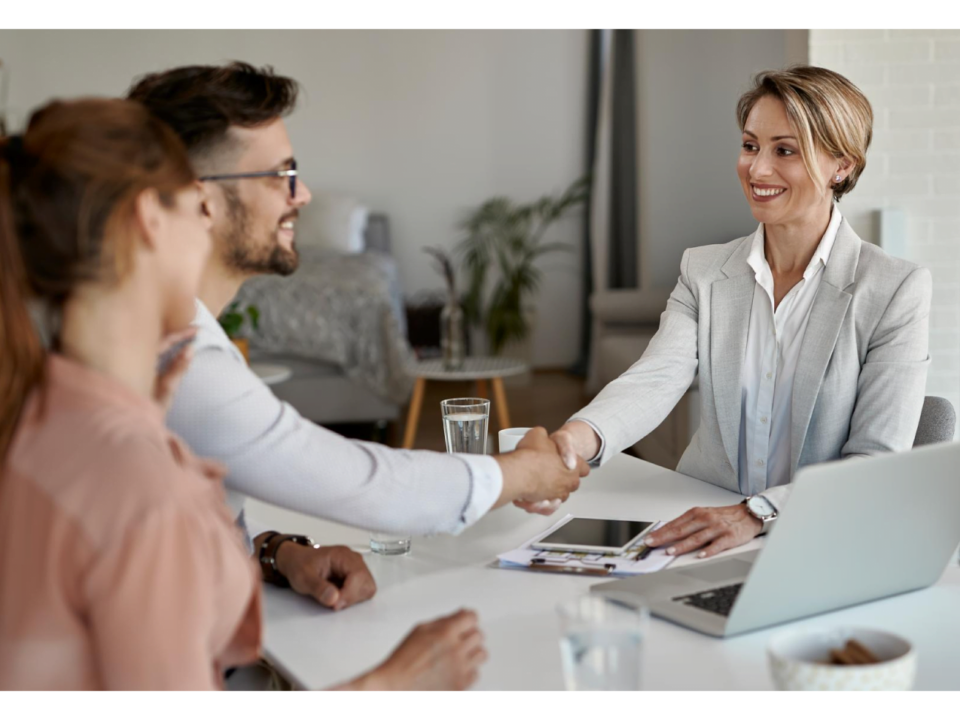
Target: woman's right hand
(445,654)
(577,439)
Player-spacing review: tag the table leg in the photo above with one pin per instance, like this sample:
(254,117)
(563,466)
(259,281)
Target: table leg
(482,391)
(500,397)
(413,416)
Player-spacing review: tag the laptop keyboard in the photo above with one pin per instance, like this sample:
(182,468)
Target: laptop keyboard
(715,600)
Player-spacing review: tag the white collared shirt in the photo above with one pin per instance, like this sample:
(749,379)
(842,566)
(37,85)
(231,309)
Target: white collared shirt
(774,338)
(225,412)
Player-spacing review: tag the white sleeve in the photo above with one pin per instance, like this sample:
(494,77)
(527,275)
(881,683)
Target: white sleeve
(225,412)
(778,496)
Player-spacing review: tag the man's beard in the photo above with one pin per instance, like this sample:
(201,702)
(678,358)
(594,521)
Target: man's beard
(242,251)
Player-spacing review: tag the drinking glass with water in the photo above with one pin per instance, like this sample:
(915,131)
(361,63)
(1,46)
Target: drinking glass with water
(465,429)
(601,644)
(465,424)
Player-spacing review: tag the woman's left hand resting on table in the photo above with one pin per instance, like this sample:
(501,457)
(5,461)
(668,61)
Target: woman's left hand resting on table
(708,529)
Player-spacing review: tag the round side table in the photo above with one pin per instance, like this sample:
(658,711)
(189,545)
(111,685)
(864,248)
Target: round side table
(478,369)
(271,374)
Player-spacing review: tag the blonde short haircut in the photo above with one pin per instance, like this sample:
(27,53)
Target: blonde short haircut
(827,111)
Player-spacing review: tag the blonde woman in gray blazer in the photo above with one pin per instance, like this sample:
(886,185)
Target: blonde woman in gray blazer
(810,344)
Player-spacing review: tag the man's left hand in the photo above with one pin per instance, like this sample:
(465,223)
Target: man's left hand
(710,530)
(336,576)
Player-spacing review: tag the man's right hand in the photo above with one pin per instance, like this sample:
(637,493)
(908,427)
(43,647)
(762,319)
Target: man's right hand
(445,654)
(536,471)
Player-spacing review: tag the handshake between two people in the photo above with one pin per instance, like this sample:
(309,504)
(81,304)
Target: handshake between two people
(704,530)
(541,472)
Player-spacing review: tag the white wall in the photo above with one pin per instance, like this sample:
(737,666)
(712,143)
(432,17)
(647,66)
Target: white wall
(422,125)
(688,83)
(912,79)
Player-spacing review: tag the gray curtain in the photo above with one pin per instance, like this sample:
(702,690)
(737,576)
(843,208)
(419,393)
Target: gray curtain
(611,51)
(622,265)
(586,264)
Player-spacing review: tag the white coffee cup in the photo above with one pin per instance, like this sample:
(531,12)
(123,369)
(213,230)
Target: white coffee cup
(511,437)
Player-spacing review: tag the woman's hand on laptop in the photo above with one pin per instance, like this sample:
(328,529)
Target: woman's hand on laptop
(710,530)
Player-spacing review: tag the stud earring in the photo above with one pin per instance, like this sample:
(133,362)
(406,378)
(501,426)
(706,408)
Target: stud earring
(838,178)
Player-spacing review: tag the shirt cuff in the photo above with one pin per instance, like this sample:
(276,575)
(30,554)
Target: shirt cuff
(778,496)
(593,462)
(486,485)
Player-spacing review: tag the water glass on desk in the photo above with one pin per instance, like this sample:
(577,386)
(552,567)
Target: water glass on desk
(601,644)
(465,423)
(386,544)
(465,429)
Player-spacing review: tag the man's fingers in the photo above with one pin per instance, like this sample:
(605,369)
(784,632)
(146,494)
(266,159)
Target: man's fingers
(358,586)
(325,592)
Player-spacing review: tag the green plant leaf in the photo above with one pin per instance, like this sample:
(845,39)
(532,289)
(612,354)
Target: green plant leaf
(232,319)
(507,237)
(254,312)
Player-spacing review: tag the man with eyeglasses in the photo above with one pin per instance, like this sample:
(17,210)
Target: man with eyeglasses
(231,120)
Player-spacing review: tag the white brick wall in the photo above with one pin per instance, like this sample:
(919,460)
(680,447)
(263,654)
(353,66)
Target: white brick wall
(912,78)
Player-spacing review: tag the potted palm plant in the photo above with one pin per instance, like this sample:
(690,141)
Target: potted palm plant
(508,238)
(232,321)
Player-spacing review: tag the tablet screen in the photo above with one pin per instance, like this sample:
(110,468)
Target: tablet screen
(596,532)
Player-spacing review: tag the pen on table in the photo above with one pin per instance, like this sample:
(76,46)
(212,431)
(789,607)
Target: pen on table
(545,565)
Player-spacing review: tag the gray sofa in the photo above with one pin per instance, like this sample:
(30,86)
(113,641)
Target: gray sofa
(319,390)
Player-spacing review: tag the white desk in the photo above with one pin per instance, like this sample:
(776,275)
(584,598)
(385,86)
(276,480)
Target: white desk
(318,648)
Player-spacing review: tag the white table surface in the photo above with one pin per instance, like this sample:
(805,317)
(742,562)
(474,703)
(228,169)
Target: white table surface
(318,648)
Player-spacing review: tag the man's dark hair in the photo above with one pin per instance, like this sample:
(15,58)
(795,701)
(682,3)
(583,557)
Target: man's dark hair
(201,102)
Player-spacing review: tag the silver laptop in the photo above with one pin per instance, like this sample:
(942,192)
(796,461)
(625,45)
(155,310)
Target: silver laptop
(853,531)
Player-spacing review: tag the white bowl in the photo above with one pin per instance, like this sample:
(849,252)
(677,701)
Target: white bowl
(798,661)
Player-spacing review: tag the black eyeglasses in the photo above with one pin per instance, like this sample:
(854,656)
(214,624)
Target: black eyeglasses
(290,173)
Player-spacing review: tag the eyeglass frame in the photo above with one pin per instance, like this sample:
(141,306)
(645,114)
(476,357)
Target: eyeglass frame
(291,173)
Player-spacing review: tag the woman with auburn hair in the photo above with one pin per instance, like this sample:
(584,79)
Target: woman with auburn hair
(810,344)
(120,566)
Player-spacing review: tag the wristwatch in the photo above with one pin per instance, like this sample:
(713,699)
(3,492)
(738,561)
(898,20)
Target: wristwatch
(763,510)
(267,555)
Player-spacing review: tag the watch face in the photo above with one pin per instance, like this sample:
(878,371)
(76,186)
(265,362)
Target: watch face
(760,506)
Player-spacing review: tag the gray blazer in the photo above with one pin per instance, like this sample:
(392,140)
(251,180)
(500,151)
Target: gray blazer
(859,384)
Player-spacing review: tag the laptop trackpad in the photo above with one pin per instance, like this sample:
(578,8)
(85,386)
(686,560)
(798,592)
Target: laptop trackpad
(719,572)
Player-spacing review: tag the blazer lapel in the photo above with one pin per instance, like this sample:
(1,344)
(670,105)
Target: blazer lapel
(731,300)
(823,329)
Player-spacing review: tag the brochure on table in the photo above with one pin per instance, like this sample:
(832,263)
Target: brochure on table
(625,565)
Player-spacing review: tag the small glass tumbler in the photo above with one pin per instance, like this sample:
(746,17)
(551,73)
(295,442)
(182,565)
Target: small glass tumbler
(465,424)
(384,544)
